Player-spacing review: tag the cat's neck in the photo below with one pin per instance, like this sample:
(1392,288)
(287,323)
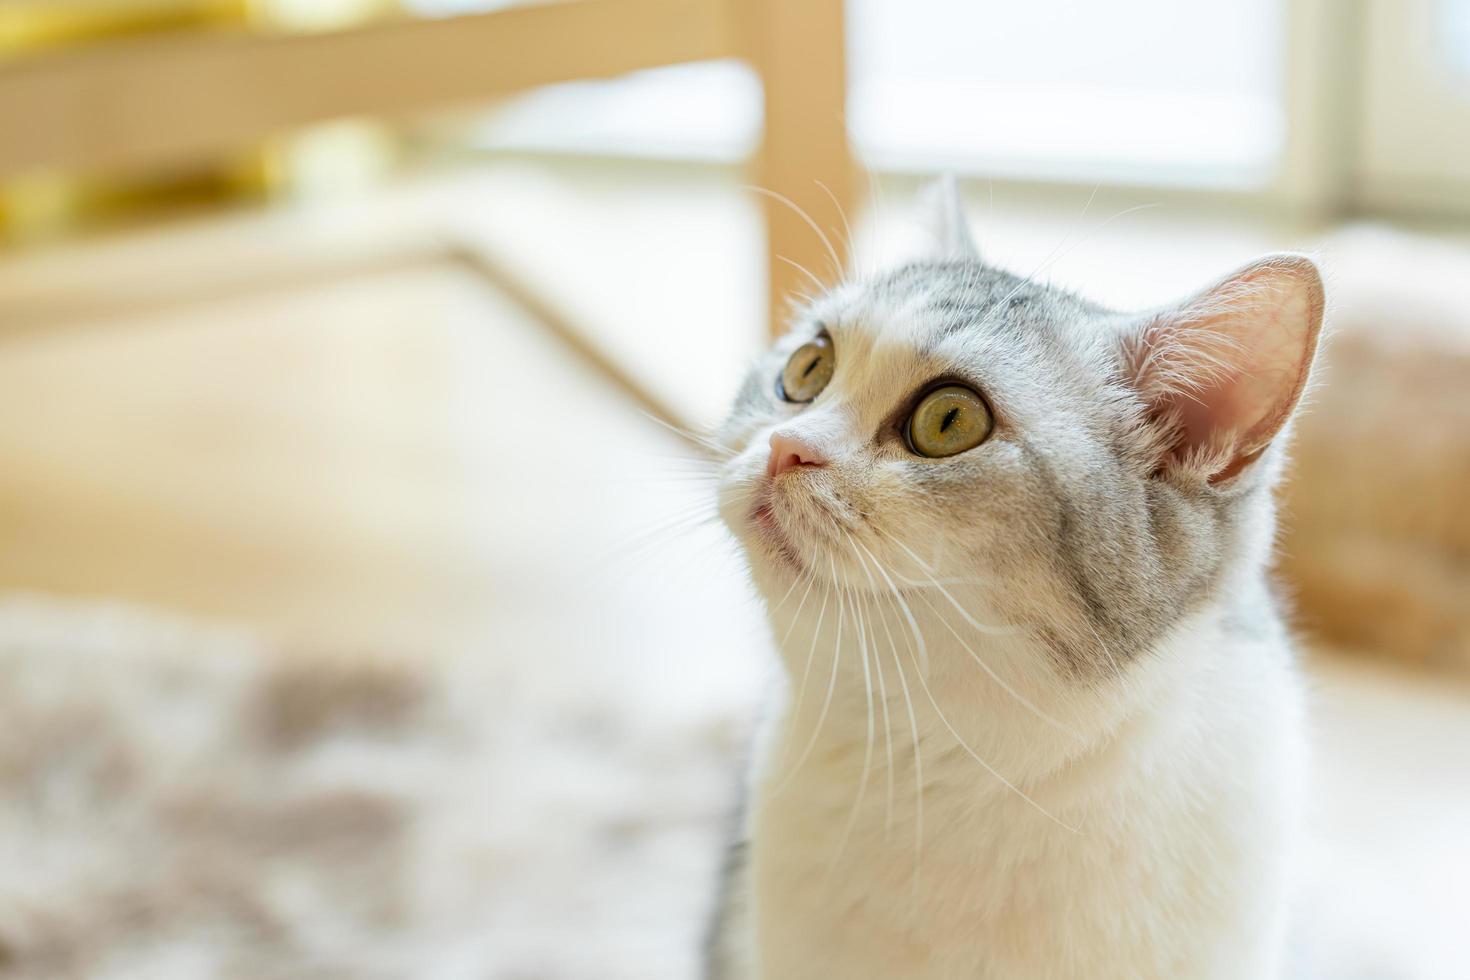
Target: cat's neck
(891,676)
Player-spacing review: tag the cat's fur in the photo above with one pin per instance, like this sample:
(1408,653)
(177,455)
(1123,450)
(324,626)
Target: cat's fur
(1068,629)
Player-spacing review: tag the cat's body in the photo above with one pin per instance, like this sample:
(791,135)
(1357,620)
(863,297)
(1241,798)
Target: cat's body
(1042,716)
(1182,817)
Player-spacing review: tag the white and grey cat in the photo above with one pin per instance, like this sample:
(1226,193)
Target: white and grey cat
(1042,717)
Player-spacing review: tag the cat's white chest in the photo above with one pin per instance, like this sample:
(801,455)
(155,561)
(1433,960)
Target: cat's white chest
(1171,862)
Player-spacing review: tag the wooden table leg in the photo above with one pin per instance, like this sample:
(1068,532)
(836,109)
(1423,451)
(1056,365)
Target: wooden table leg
(805,166)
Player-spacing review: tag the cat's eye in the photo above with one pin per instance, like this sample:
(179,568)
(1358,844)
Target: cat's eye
(948,421)
(808,371)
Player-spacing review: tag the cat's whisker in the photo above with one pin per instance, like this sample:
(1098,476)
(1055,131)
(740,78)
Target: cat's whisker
(821,286)
(953,731)
(1112,660)
(923,652)
(927,568)
(887,728)
(860,623)
(970,751)
(701,441)
(1103,226)
(672,525)
(918,655)
(696,508)
(992,630)
(1000,681)
(882,685)
(810,580)
(983,628)
(974,623)
(801,213)
(841,213)
(646,540)
(797,301)
(914,583)
(1004,305)
(701,464)
(703,480)
(1053,257)
(642,551)
(700,459)
(876,205)
(831,688)
(918,752)
(1094,232)
(811,653)
(657,469)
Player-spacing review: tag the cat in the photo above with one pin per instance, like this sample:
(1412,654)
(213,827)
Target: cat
(1041,715)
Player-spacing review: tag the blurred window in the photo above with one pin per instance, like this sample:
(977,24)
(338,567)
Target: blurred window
(1414,133)
(1322,102)
(1455,38)
(1056,88)
(1051,88)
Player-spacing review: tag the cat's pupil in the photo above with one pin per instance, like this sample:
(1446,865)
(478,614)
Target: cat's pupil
(811,367)
(949,418)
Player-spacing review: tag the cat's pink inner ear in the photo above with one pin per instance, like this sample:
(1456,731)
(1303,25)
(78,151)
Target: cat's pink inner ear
(1229,365)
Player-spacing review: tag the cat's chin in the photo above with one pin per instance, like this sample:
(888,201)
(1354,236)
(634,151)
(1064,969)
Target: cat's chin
(767,535)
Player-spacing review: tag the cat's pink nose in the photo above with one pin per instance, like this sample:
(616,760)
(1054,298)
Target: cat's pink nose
(789,452)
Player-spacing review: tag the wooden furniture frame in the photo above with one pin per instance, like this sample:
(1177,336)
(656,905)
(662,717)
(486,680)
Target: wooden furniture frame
(162,101)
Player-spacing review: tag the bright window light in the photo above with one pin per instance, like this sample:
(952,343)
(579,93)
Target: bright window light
(1151,91)
(1454,34)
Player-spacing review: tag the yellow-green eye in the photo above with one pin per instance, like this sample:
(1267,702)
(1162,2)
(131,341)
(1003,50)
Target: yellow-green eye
(808,371)
(949,420)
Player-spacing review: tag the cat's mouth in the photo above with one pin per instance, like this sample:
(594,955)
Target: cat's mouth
(770,533)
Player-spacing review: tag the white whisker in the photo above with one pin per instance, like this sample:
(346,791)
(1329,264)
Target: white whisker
(831,690)
(939,713)
(704,442)
(821,286)
(923,652)
(862,633)
(983,628)
(882,687)
(959,739)
(918,752)
(800,701)
(810,223)
(1004,685)
(841,213)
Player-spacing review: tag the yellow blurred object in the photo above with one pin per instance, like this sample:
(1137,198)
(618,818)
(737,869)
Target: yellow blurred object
(47,204)
(44,205)
(305,16)
(27,27)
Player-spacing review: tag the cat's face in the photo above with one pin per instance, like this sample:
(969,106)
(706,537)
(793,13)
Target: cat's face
(1077,474)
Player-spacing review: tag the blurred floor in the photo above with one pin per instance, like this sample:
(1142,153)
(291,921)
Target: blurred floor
(342,452)
(394,459)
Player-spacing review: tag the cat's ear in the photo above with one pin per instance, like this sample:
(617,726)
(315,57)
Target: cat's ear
(1221,373)
(944,218)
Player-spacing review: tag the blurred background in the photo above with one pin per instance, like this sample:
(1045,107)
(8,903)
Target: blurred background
(359,613)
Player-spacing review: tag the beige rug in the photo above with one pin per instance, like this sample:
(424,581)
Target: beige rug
(183,801)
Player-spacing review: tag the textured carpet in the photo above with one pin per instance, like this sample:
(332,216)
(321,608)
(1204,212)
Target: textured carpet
(183,801)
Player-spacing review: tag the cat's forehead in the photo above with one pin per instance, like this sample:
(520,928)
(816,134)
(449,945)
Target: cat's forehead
(949,309)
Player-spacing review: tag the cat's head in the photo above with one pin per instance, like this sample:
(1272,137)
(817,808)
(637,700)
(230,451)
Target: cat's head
(1089,476)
